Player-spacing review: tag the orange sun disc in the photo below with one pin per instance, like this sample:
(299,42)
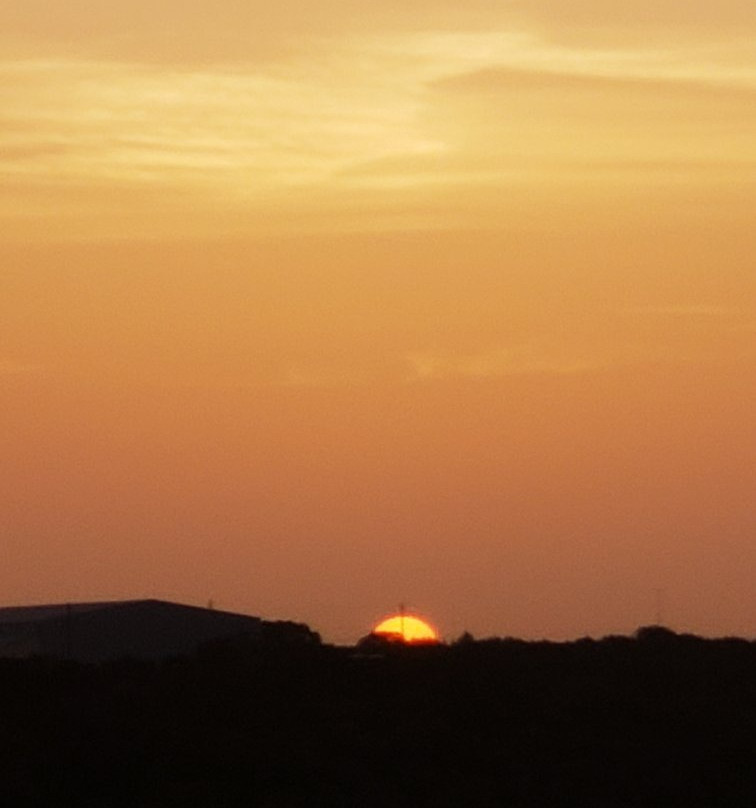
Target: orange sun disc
(407,628)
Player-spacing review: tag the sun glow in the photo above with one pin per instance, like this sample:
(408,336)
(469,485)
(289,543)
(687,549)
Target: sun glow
(407,628)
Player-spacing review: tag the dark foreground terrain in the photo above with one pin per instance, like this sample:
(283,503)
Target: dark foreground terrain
(656,720)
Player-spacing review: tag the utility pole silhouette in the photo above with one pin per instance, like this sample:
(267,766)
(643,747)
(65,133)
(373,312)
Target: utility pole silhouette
(659,598)
(68,631)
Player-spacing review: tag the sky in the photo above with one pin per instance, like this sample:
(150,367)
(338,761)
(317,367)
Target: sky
(315,308)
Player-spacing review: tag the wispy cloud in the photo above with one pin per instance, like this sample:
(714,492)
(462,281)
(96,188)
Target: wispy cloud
(609,74)
(332,104)
(523,360)
(589,22)
(9,367)
(356,101)
(237,129)
(256,31)
(682,310)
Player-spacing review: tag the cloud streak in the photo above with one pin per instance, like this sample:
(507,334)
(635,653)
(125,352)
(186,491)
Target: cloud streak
(255,31)
(9,367)
(519,361)
(373,112)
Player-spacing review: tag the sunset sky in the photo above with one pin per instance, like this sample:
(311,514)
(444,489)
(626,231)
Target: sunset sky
(312,308)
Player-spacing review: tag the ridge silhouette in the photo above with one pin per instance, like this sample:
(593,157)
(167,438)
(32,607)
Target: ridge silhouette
(656,719)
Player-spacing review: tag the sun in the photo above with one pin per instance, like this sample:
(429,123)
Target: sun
(406,628)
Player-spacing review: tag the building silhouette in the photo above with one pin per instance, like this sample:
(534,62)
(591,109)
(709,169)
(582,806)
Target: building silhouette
(143,629)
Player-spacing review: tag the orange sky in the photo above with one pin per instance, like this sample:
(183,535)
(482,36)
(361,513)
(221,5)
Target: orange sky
(315,308)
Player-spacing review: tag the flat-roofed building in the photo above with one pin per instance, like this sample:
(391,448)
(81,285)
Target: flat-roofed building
(95,632)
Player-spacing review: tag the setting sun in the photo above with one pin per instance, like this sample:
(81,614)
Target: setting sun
(310,306)
(407,628)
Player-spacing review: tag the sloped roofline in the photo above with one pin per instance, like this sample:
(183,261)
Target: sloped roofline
(55,611)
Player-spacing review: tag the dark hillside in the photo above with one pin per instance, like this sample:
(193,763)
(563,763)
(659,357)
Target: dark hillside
(656,720)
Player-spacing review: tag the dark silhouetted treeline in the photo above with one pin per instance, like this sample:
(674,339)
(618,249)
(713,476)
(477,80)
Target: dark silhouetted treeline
(654,720)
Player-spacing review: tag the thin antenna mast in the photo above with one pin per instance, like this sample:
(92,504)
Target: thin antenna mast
(659,605)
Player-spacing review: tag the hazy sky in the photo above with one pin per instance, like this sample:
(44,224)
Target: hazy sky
(312,308)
